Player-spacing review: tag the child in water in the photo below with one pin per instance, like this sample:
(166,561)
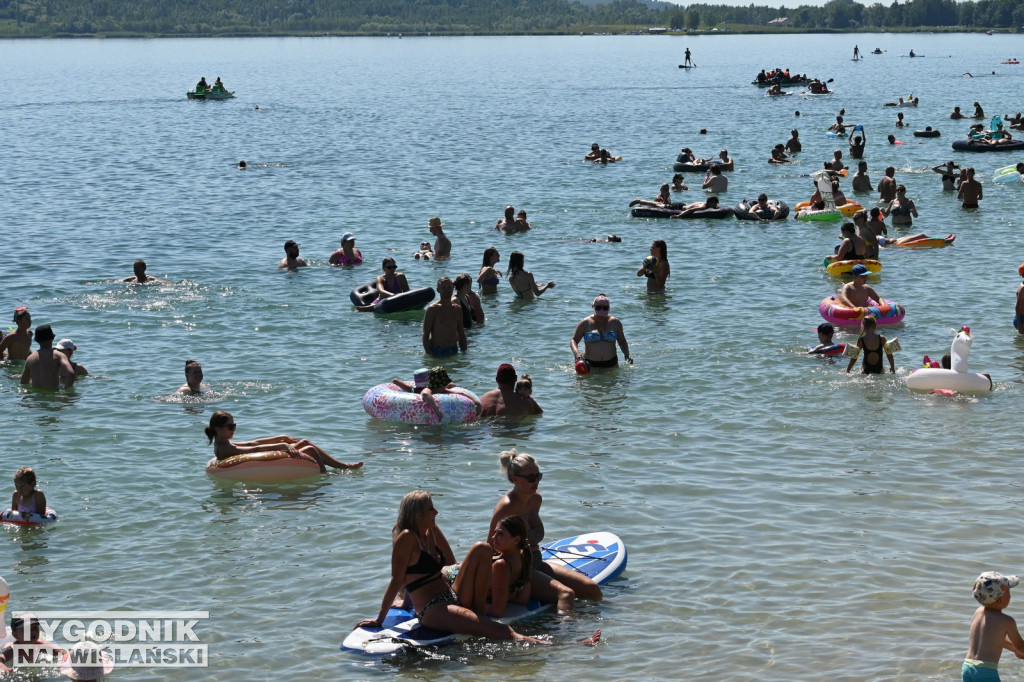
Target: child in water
(524,387)
(825,342)
(991,629)
(872,344)
(26,498)
(27,646)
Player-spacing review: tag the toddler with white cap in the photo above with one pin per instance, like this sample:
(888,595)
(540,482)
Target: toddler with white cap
(991,629)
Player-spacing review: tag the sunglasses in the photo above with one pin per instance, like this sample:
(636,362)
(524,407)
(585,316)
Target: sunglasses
(531,478)
(390,267)
(230,426)
(601,307)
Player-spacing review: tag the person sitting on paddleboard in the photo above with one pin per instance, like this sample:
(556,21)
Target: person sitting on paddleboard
(550,582)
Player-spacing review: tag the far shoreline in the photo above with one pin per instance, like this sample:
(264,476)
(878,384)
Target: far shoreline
(588,31)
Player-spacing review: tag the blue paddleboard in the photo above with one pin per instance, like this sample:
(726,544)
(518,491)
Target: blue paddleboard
(600,556)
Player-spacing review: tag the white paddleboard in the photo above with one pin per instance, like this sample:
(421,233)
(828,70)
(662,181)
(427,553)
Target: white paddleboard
(600,556)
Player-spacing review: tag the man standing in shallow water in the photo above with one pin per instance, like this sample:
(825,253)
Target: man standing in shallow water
(443,330)
(504,401)
(47,367)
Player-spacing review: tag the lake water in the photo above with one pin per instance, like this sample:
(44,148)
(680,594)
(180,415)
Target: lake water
(784,520)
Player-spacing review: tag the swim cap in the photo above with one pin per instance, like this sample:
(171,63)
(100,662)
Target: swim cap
(1020,270)
(990,586)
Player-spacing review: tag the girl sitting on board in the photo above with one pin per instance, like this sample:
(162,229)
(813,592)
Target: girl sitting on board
(511,567)
(419,552)
(549,581)
(222,427)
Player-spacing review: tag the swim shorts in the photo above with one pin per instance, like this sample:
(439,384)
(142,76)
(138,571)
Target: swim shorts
(979,671)
(970,204)
(440,351)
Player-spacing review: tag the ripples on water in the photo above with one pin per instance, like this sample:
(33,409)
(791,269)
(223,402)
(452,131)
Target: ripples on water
(784,519)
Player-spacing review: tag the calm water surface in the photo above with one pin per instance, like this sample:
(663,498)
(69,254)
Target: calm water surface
(784,520)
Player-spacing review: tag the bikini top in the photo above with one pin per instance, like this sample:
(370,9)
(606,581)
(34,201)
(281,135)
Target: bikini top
(594,335)
(427,565)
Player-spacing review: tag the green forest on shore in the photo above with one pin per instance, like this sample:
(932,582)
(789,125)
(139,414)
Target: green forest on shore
(112,18)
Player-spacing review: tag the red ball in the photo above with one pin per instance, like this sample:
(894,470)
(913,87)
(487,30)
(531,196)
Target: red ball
(582,367)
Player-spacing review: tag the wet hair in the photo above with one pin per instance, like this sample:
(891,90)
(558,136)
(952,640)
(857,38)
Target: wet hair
(189,363)
(677,176)
(715,170)
(410,509)
(901,188)
(862,213)
(388,261)
(25,475)
(139,264)
(489,253)
(510,211)
(712,202)
(525,382)
(662,248)
(437,377)
(794,132)
(516,260)
(290,244)
(512,462)
(20,313)
(217,419)
(848,227)
(876,212)
(869,322)
(762,197)
(515,526)
(462,279)
(947,361)
(445,280)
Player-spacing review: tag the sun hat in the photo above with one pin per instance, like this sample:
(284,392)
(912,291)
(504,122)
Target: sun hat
(420,377)
(437,377)
(859,270)
(990,586)
(86,661)
(66,344)
(435,222)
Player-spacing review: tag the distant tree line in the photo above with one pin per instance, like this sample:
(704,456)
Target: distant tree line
(379,17)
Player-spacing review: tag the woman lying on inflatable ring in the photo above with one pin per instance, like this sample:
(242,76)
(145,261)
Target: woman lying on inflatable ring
(222,427)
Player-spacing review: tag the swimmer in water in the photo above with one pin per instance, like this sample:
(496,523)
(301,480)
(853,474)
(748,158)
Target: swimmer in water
(193,379)
(140,276)
(18,344)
